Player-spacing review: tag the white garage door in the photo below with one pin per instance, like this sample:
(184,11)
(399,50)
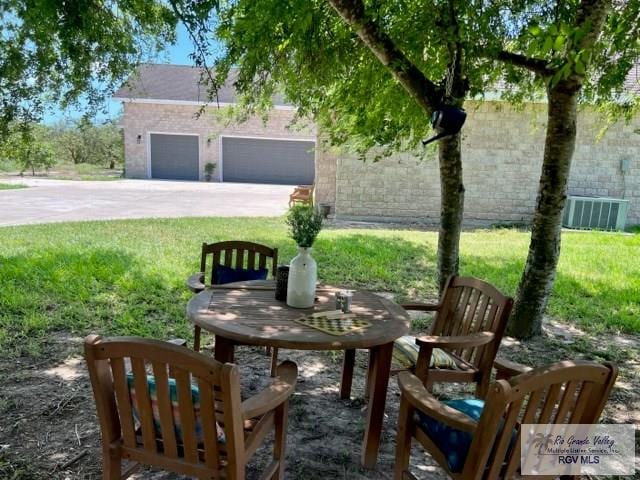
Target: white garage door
(253,160)
(174,157)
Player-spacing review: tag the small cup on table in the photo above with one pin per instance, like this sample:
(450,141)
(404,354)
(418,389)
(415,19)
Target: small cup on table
(282,280)
(343,300)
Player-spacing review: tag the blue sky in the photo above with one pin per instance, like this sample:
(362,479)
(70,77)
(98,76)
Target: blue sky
(177,54)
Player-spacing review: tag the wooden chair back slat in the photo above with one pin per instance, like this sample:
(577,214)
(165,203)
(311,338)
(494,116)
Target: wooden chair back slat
(262,262)
(582,403)
(165,410)
(203,258)
(228,257)
(239,258)
(208,419)
(550,402)
(504,438)
(187,417)
(251,260)
(124,404)
(143,403)
(215,261)
(467,326)
(567,402)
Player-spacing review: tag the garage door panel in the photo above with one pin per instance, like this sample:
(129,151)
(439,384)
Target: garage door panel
(174,157)
(251,160)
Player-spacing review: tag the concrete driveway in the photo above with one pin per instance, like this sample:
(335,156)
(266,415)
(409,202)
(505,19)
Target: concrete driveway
(48,201)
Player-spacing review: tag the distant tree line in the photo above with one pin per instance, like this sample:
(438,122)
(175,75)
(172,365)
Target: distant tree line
(40,147)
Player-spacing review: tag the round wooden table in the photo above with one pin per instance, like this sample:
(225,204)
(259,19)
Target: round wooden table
(248,314)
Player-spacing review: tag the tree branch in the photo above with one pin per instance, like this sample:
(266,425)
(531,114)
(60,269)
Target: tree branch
(426,93)
(536,65)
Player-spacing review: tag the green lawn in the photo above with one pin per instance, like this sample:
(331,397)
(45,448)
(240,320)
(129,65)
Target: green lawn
(128,277)
(11,186)
(67,171)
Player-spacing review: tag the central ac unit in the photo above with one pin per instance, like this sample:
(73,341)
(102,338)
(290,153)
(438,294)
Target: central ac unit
(597,213)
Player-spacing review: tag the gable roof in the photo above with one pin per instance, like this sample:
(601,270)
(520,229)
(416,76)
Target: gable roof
(177,83)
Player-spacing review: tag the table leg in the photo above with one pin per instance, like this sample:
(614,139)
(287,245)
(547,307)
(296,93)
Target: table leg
(347,373)
(378,382)
(367,386)
(223,349)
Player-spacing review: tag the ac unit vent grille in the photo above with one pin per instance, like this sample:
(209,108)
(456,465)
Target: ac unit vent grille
(595,213)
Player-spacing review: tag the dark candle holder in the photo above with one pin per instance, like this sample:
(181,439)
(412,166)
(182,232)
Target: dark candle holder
(282,280)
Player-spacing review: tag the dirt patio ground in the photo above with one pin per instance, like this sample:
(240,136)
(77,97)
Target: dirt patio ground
(48,425)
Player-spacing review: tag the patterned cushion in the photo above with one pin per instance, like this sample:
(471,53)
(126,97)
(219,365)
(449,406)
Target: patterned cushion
(405,352)
(229,275)
(173,395)
(453,443)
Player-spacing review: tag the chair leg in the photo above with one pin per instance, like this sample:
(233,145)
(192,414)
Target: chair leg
(274,362)
(196,338)
(403,440)
(111,465)
(279,446)
(348,364)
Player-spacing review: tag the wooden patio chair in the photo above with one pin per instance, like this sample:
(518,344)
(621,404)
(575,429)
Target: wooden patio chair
(301,194)
(463,340)
(181,411)
(475,439)
(233,261)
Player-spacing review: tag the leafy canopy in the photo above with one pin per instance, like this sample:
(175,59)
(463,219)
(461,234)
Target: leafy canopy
(305,50)
(58,52)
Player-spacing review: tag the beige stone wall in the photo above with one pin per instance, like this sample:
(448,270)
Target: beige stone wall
(144,118)
(502,150)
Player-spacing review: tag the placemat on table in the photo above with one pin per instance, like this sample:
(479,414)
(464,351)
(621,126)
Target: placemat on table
(334,322)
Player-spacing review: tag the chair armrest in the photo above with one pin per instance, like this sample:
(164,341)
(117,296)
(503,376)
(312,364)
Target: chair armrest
(416,394)
(423,307)
(275,394)
(507,369)
(195,282)
(466,341)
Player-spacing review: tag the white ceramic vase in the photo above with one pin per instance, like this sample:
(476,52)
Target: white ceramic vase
(303,274)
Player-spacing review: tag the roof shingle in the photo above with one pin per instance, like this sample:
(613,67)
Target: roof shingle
(177,83)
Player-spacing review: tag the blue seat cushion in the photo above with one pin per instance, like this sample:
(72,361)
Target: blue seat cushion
(453,443)
(173,398)
(224,274)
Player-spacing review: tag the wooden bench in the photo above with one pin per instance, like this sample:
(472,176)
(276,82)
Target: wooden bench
(301,194)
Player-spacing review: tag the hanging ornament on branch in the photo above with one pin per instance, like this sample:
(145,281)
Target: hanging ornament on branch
(447,119)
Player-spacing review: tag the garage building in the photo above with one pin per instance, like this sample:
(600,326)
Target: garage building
(172,132)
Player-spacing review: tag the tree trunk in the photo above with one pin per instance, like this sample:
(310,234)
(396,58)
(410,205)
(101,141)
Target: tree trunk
(539,273)
(451,207)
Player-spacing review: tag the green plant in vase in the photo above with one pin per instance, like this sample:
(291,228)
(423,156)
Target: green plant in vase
(304,224)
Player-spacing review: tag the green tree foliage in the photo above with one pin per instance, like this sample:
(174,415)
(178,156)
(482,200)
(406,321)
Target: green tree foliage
(30,148)
(577,52)
(369,73)
(86,142)
(55,51)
